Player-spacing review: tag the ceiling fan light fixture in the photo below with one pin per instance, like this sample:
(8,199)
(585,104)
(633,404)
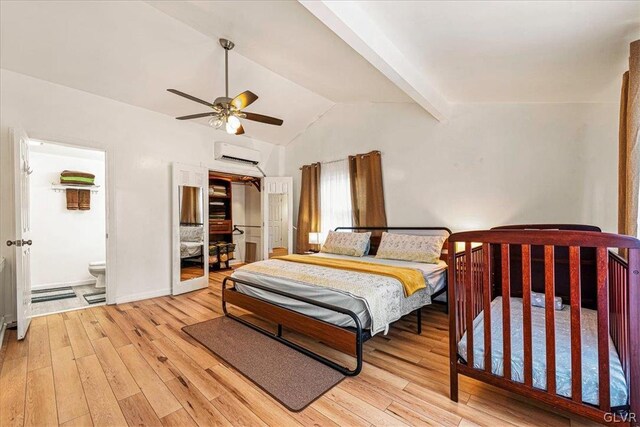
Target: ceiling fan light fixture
(228,111)
(216,122)
(234,122)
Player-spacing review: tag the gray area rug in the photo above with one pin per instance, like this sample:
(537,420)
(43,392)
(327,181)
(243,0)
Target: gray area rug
(290,377)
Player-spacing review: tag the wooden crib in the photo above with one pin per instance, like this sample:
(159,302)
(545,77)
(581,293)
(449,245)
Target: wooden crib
(566,262)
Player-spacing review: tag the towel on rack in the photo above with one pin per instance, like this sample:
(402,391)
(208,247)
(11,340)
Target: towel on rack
(72,199)
(77,178)
(84,200)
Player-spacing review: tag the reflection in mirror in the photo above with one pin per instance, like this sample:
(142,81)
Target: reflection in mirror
(192,254)
(278,225)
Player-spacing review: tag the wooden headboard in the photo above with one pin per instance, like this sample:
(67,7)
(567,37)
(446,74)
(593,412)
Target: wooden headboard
(376,235)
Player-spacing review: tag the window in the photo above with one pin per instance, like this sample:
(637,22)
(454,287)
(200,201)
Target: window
(335,197)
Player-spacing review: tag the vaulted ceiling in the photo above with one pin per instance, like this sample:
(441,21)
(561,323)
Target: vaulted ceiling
(303,57)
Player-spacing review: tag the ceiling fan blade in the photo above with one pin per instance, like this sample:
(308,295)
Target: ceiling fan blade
(196,116)
(240,130)
(192,98)
(244,99)
(262,119)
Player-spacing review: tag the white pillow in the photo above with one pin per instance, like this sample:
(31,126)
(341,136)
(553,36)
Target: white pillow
(537,300)
(190,233)
(353,244)
(410,247)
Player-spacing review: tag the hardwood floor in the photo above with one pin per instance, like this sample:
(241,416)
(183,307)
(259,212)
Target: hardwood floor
(132,364)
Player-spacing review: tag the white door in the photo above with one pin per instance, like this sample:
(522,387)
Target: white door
(276,220)
(190,243)
(283,186)
(22,242)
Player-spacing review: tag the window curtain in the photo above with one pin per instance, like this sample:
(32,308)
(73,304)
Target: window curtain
(367,195)
(191,207)
(309,209)
(629,146)
(335,197)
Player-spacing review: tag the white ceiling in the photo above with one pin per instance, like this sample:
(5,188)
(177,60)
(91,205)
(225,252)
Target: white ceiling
(468,52)
(132,52)
(285,38)
(65,150)
(514,51)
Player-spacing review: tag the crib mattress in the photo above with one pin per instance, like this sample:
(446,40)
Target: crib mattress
(589,323)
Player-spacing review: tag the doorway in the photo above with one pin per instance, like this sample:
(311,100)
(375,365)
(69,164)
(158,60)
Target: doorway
(68,222)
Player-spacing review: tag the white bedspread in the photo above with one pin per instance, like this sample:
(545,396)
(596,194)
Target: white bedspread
(589,323)
(383,303)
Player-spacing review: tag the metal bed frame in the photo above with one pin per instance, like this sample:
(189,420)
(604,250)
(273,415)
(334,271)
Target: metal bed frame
(345,339)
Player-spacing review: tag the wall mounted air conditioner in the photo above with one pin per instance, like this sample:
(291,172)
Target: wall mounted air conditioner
(235,154)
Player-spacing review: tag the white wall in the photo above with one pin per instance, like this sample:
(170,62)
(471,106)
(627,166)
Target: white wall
(141,145)
(253,216)
(238,218)
(488,165)
(65,241)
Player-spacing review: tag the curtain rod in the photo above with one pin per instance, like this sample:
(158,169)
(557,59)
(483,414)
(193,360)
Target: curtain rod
(347,158)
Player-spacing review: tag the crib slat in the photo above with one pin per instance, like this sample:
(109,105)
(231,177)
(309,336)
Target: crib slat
(506,310)
(550,329)
(486,299)
(526,315)
(468,290)
(576,338)
(602,267)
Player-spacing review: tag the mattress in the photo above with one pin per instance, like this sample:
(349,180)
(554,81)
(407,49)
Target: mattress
(589,323)
(435,278)
(189,249)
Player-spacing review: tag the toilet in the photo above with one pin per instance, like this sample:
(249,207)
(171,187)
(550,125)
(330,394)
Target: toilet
(98,269)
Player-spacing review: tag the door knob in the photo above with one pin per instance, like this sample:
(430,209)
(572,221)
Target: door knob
(12,242)
(27,242)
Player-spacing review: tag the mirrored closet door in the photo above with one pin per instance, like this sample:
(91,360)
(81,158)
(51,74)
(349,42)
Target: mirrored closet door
(190,237)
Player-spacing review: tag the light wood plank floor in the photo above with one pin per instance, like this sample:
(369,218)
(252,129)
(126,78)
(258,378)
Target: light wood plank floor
(132,364)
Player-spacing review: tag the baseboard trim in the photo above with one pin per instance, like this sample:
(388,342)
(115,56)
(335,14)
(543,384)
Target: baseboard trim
(142,295)
(61,284)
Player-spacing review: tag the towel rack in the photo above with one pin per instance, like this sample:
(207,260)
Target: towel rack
(59,188)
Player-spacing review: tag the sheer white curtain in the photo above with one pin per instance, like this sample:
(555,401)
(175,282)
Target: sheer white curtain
(335,197)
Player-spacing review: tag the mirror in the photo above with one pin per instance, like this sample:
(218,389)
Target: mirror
(278,225)
(192,233)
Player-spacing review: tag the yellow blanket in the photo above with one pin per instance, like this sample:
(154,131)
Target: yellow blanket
(412,280)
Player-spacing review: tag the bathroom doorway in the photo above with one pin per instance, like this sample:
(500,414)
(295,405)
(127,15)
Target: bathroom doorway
(68,219)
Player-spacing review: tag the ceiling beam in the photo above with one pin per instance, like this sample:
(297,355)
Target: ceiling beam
(353,25)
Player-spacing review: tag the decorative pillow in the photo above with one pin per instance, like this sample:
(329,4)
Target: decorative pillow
(409,247)
(537,300)
(353,244)
(191,233)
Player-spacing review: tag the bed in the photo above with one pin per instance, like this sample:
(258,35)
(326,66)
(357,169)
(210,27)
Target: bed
(347,309)
(191,241)
(583,358)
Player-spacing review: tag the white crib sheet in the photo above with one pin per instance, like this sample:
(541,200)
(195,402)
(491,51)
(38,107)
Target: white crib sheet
(589,323)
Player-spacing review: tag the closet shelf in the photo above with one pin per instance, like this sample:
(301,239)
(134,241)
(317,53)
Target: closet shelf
(62,187)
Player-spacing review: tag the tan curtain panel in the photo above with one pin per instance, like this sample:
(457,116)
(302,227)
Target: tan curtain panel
(309,210)
(190,209)
(367,195)
(629,146)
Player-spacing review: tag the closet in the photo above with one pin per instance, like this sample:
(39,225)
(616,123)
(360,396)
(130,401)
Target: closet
(235,220)
(221,246)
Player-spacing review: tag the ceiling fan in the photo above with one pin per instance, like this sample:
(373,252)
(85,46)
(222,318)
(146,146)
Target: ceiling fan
(228,111)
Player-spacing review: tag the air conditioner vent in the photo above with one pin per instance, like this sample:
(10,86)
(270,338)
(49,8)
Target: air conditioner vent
(236,154)
(239,160)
